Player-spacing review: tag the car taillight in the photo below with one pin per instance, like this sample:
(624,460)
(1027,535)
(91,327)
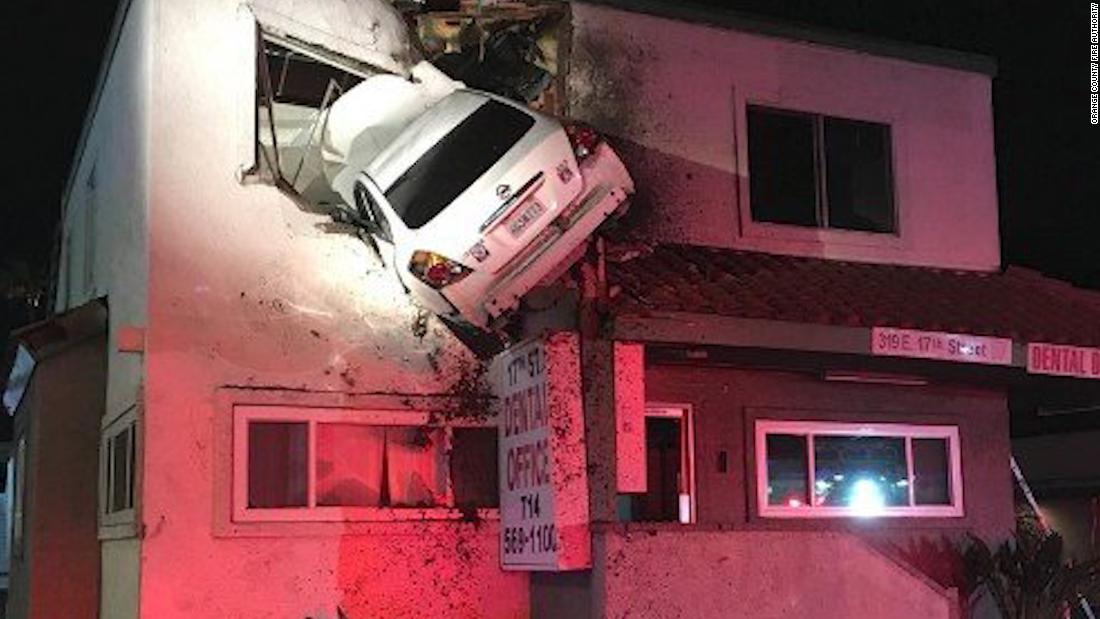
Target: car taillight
(435,270)
(583,139)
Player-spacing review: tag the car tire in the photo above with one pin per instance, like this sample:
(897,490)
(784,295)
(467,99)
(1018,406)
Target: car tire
(484,344)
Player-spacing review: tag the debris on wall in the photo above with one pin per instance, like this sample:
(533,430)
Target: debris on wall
(514,49)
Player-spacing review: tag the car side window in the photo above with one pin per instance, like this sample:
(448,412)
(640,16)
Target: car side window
(369,210)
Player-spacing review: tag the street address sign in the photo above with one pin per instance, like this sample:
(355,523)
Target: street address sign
(957,347)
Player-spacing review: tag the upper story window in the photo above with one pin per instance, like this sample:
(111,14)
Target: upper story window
(296,464)
(823,469)
(820,171)
(295,87)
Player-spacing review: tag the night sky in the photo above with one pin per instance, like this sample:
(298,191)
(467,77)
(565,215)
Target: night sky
(1048,153)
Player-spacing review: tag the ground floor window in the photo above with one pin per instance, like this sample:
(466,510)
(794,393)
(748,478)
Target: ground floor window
(822,469)
(337,464)
(118,458)
(120,475)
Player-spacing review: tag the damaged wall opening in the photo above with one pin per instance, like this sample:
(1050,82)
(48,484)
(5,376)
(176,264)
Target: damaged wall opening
(295,89)
(513,51)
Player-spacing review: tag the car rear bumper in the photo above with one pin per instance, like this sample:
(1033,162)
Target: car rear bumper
(480,302)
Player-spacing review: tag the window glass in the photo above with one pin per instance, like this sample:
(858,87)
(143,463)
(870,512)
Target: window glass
(819,171)
(299,79)
(277,468)
(782,185)
(319,461)
(349,464)
(415,474)
(121,454)
(876,469)
(474,473)
(456,161)
(787,470)
(860,195)
(931,480)
(860,472)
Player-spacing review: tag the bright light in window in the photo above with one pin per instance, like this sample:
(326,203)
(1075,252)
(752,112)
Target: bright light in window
(866,499)
(794,503)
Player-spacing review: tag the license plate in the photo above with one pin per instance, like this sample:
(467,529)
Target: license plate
(528,215)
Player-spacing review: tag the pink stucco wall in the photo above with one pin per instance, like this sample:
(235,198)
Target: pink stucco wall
(673,94)
(665,573)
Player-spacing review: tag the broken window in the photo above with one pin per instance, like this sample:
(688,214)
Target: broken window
(301,464)
(295,87)
(839,469)
(819,171)
(513,50)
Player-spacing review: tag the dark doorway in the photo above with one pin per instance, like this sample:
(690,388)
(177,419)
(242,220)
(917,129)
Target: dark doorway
(661,501)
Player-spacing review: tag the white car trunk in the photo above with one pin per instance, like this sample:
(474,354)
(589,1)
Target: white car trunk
(508,205)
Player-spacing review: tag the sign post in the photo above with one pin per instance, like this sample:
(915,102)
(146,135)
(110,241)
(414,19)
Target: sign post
(543,477)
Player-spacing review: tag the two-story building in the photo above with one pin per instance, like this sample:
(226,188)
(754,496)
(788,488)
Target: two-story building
(795,351)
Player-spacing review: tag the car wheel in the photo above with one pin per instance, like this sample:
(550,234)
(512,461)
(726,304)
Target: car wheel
(484,344)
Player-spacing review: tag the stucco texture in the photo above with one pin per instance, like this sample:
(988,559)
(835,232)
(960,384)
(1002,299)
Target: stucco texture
(673,96)
(762,575)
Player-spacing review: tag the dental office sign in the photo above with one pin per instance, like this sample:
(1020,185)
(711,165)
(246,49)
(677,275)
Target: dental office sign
(1060,360)
(941,346)
(543,477)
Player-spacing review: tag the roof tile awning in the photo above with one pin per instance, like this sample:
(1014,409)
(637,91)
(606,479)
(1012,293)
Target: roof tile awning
(1015,303)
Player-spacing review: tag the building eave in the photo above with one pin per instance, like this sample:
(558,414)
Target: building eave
(97,94)
(692,329)
(735,20)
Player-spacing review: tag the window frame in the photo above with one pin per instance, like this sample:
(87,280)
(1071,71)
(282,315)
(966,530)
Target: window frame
(821,167)
(842,107)
(312,513)
(809,429)
(685,413)
(121,523)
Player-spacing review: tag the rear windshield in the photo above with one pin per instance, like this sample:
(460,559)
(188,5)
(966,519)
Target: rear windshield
(456,161)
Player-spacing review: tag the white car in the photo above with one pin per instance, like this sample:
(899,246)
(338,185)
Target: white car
(480,198)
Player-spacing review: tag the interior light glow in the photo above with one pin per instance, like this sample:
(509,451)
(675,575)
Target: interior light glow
(794,503)
(866,499)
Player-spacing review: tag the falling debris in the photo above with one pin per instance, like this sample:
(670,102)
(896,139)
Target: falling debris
(420,324)
(512,49)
